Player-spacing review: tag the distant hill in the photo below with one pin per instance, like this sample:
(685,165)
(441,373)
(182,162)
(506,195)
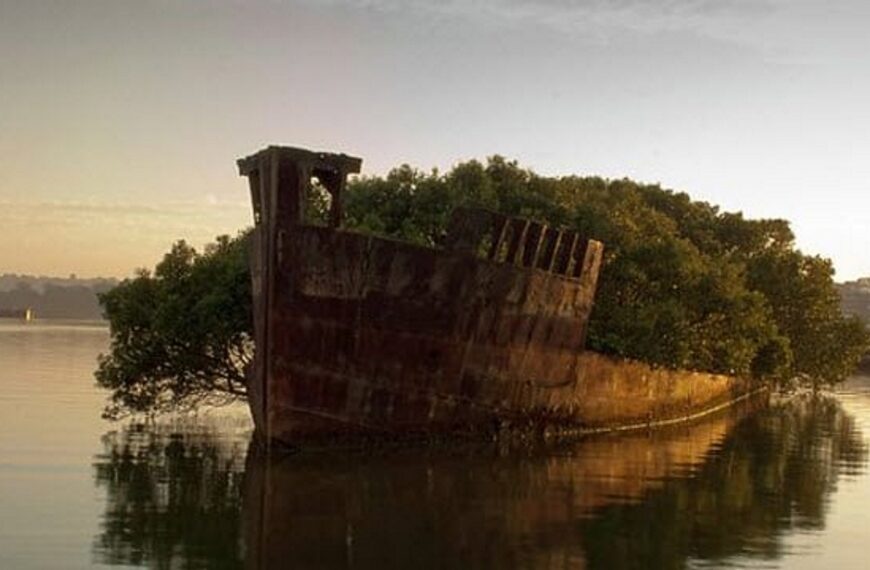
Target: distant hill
(855,297)
(54,297)
(855,300)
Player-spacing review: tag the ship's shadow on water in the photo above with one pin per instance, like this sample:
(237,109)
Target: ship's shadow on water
(733,485)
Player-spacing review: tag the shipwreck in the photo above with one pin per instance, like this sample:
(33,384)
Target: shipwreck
(358,334)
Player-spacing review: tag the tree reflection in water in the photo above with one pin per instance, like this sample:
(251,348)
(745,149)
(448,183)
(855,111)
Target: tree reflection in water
(773,474)
(733,485)
(174,496)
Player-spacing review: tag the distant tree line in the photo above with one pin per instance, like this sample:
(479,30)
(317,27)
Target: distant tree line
(856,298)
(684,285)
(856,302)
(54,298)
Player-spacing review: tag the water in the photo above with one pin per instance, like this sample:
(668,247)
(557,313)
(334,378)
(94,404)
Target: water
(780,487)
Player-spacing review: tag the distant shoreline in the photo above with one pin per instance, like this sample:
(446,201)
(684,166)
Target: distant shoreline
(68,322)
(54,297)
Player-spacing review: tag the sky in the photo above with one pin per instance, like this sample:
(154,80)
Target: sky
(121,120)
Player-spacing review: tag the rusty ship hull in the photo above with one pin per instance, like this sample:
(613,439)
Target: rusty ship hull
(361,335)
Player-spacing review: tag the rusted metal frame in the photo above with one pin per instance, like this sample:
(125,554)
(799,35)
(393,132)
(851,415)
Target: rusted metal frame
(500,232)
(535,232)
(518,237)
(549,246)
(563,243)
(256,198)
(515,241)
(314,160)
(334,181)
(278,178)
(269,189)
(332,169)
(592,262)
(580,255)
(336,213)
(565,255)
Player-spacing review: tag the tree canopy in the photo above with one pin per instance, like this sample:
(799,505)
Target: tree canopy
(684,285)
(180,336)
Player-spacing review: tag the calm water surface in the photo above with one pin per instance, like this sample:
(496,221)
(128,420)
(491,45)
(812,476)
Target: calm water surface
(782,487)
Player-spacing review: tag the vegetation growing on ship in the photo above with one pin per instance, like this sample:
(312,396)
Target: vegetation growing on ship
(684,285)
(180,335)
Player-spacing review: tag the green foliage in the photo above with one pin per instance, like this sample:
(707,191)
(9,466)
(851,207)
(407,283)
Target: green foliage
(182,335)
(683,284)
(827,346)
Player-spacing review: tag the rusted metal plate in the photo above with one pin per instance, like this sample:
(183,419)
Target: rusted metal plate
(357,333)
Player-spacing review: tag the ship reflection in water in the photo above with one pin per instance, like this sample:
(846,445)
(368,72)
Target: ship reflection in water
(732,487)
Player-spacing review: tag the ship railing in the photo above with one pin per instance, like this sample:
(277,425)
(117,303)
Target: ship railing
(521,242)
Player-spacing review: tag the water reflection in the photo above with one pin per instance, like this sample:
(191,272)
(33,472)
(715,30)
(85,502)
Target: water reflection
(733,485)
(773,475)
(173,495)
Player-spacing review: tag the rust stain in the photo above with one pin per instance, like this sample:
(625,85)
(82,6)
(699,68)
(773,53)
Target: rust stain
(358,334)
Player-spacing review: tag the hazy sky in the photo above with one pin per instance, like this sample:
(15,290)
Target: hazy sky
(120,121)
